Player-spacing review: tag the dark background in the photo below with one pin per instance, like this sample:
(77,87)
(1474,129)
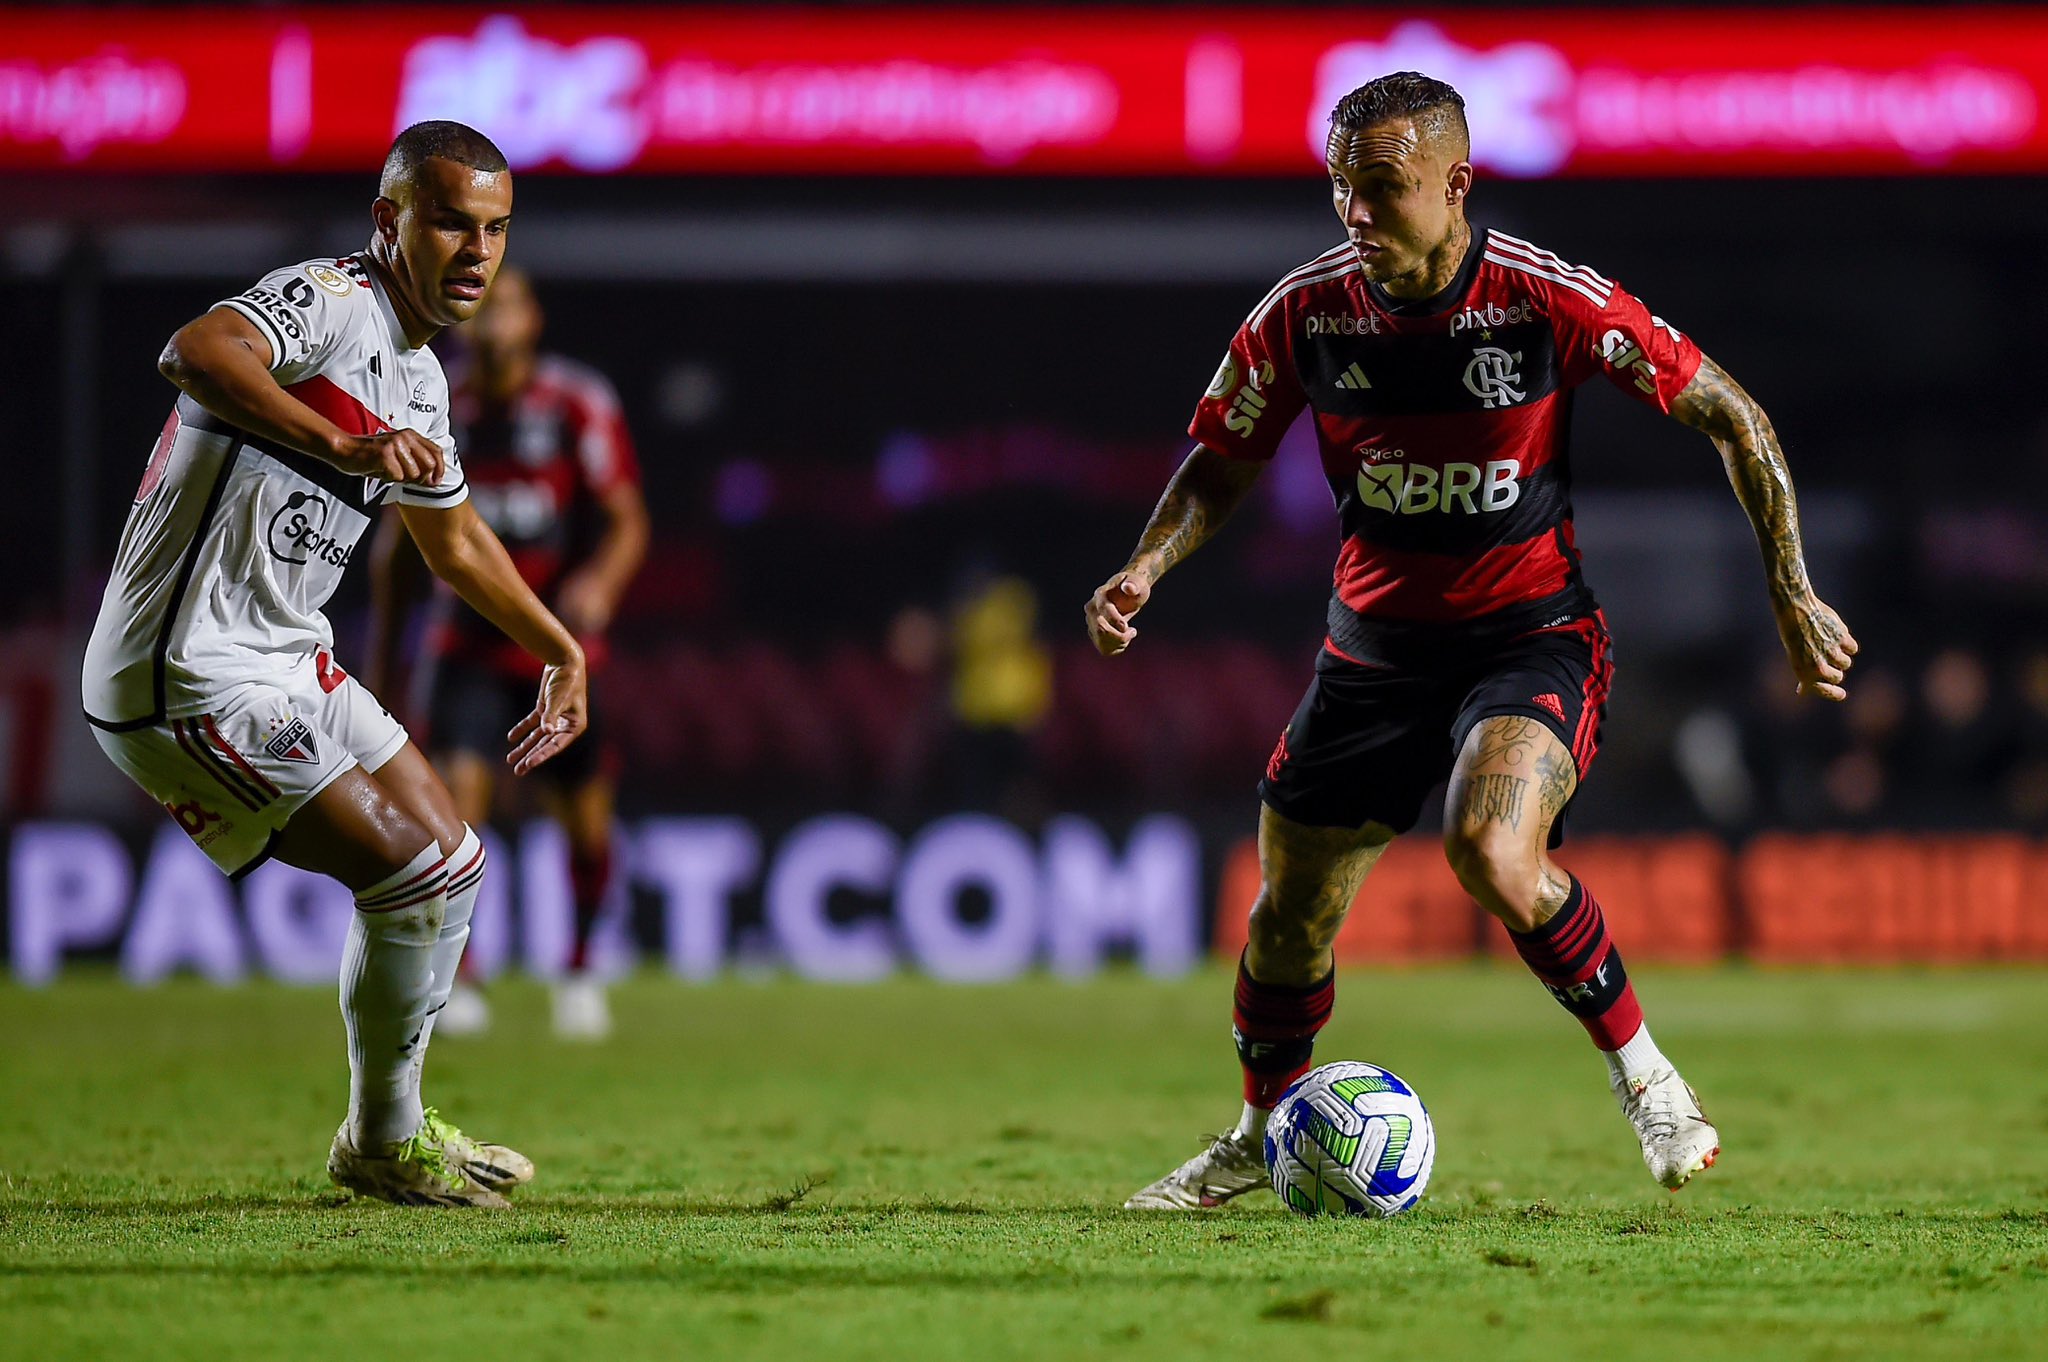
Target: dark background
(922,387)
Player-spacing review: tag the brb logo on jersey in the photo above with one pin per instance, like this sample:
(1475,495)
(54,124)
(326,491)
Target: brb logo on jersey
(1493,376)
(1413,488)
(298,533)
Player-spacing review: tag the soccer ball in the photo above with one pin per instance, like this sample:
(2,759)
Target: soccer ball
(1350,1139)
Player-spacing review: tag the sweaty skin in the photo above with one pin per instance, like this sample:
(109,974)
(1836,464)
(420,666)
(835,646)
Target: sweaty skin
(437,241)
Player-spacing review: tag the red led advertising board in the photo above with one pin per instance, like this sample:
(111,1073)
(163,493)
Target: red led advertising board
(1085,91)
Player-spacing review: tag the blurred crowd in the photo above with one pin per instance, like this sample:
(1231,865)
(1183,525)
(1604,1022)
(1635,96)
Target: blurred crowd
(1953,736)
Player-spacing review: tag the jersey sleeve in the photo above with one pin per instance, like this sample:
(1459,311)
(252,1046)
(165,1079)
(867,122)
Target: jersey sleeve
(604,445)
(302,310)
(453,488)
(1256,393)
(1640,353)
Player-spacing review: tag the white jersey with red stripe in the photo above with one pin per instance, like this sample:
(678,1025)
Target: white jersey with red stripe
(235,544)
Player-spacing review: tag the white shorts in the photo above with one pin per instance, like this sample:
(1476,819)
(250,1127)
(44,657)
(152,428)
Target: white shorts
(234,776)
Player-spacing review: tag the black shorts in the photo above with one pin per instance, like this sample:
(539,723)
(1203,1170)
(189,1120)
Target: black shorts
(1368,744)
(473,707)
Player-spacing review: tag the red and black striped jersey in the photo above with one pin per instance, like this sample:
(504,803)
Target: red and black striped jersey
(538,465)
(1443,429)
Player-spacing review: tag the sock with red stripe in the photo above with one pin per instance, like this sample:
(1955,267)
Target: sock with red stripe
(590,875)
(387,983)
(465,882)
(1275,1029)
(1576,960)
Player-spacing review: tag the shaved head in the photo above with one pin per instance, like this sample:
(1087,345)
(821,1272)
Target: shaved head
(440,140)
(1434,109)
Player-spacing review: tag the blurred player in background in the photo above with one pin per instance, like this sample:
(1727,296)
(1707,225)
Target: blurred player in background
(1438,363)
(310,400)
(551,469)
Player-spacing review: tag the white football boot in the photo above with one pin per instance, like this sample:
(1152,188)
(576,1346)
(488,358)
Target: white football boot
(467,1012)
(1678,1140)
(417,1171)
(1232,1165)
(498,1167)
(582,1011)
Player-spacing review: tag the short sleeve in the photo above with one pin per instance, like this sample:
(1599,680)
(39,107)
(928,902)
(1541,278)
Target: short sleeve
(453,488)
(302,310)
(1256,393)
(604,445)
(1640,353)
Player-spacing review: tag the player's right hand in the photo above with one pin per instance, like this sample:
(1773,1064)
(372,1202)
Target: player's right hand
(1109,611)
(393,456)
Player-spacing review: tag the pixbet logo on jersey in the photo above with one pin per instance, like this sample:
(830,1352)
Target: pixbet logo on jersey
(298,533)
(1414,488)
(1325,324)
(1493,314)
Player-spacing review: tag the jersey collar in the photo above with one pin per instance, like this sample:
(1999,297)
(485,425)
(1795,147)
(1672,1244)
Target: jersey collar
(1437,303)
(391,324)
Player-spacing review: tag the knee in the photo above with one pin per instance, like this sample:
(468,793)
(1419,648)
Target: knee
(1499,870)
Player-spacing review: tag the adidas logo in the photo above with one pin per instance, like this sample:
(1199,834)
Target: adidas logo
(1353,379)
(1551,703)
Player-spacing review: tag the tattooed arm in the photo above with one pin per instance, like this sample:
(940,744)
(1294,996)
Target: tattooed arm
(1198,500)
(1818,643)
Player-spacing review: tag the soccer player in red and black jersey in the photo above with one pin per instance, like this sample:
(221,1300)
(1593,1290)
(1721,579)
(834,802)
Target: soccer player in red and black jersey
(552,470)
(1438,362)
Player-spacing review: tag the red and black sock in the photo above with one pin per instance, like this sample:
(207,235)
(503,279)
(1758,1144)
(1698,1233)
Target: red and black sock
(1276,1032)
(1576,960)
(590,875)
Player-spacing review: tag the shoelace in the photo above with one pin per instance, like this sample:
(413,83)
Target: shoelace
(427,1147)
(1241,1155)
(1653,1108)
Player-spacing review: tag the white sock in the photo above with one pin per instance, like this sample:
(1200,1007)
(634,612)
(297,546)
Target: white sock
(1639,1058)
(1251,1125)
(465,882)
(387,977)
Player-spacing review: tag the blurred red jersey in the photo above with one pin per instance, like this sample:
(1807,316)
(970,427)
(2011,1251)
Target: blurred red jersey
(537,467)
(1443,431)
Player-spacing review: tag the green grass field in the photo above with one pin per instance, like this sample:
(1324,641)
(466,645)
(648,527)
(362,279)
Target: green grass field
(772,1169)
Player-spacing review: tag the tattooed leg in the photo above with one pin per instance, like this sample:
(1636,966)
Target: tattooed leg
(1287,981)
(1511,782)
(1309,876)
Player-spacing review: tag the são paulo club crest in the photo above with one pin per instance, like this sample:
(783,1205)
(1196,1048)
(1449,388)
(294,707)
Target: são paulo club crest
(295,743)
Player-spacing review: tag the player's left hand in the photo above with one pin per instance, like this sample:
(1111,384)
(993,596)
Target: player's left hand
(1820,646)
(559,717)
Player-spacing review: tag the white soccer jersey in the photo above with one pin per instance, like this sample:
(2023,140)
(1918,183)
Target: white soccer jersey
(234,544)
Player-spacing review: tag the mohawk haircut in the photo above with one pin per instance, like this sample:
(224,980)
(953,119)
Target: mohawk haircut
(1438,110)
(439,139)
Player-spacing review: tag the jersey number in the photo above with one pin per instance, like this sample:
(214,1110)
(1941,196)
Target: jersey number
(153,476)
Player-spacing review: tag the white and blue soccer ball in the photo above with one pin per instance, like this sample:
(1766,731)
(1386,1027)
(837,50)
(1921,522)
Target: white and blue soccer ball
(1350,1139)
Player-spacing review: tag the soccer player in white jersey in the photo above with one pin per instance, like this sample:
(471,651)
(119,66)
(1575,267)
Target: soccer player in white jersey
(308,401)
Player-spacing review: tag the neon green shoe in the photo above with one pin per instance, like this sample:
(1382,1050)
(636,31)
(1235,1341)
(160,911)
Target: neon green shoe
(493,1165)
(419,1170)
